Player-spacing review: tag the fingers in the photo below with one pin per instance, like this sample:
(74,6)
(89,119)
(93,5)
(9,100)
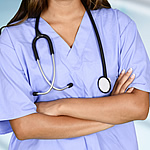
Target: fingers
(127,83)
(130,90)
(123,81)
(121,75)
(117,81)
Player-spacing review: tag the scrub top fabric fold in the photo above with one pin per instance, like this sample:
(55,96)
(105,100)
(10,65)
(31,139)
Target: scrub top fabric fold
(80,65)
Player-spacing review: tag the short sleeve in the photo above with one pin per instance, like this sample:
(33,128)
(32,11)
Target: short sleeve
(133,55)
(16,98)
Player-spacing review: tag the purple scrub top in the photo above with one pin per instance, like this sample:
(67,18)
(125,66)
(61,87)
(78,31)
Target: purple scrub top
(81,65)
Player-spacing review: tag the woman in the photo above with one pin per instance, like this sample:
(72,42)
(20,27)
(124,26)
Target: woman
(80,117)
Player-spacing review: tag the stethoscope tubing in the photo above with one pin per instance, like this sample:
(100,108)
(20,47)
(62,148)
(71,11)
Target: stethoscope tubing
(98,39)
(53,80)
(43,74)
(99,44)
(40,35)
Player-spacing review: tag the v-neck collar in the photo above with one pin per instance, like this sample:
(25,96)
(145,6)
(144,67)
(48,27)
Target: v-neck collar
(54,34)
(80,39)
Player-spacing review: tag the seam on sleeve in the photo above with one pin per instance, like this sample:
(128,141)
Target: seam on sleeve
(126,27)
(10,39)
(14,48)
(21,67)
(129,22)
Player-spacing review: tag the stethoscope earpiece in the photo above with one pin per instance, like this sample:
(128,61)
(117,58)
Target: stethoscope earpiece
(35,93)
(70,85)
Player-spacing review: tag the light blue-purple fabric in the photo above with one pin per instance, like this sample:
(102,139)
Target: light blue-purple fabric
(81,65)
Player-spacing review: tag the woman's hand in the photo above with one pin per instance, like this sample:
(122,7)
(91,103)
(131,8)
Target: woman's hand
(122,83)
(52,108)
(49,108)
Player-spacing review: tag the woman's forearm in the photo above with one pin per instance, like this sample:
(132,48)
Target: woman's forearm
(122,106)
(40,126)
(113,109)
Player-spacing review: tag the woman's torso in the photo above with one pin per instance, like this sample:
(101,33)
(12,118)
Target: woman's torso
(80,65)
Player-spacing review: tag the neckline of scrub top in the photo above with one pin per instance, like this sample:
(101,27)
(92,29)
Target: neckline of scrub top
(80,39)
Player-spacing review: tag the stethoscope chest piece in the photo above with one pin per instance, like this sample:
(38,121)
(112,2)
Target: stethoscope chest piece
(104,84)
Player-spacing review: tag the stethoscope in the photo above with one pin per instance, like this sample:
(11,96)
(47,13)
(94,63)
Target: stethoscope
(103,82)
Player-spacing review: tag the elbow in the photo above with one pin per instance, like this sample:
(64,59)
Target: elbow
(140,105)
(142,110)
(21,133)
(144,113)
(21,128)
(20,137)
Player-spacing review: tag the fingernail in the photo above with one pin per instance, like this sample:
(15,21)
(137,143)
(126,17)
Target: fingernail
(123,71)
(130,70)
(133,76)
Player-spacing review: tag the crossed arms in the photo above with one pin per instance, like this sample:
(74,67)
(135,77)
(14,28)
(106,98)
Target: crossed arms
(68,118)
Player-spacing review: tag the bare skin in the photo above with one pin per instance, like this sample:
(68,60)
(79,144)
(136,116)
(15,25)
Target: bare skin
(118,108)
(55,120)
(47,126)
(63,20)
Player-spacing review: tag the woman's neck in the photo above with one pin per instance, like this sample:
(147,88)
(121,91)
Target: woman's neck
(63,9)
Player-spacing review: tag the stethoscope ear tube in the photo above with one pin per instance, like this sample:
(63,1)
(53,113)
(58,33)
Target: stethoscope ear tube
(53,80)
(104,83)
(38,36)
(51,84)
